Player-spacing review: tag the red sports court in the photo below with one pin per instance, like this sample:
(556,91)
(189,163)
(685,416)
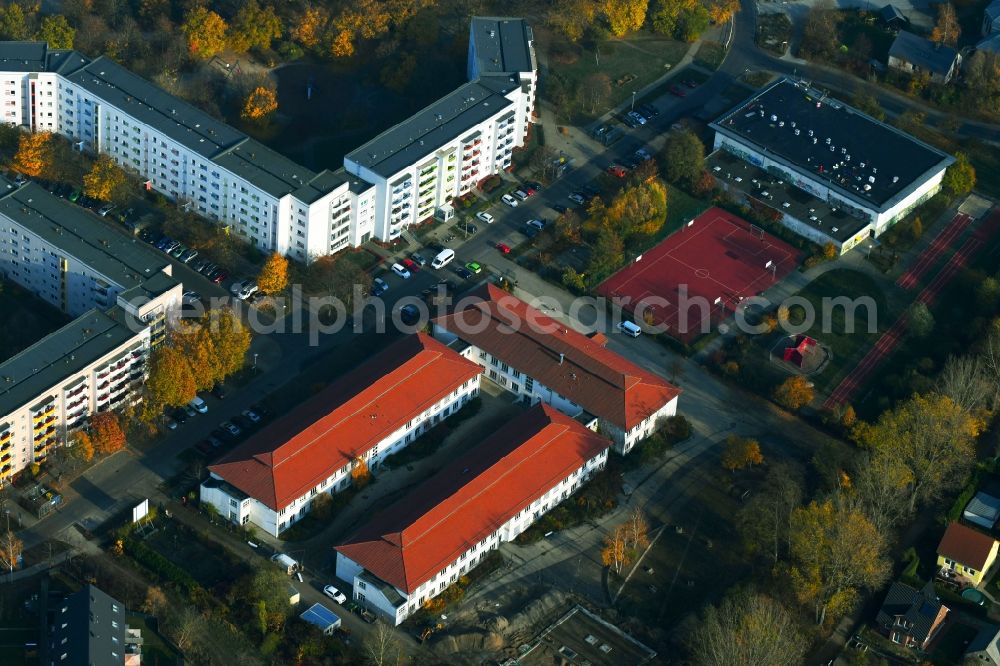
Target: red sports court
(718,257)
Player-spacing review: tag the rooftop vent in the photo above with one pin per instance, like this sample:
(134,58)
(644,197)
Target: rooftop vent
(797,132)
(895,179)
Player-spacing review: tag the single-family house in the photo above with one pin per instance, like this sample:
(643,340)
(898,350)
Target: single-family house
(991,18)
(913,54)
(911,617)
(966,552)
(982,510)
(892,17)
(985,647)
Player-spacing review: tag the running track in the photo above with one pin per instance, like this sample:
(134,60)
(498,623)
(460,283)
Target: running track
(891,338)
(929,256)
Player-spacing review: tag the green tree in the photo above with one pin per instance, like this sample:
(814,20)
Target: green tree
(57,31)
(231,338)
(740,452)
(205,32)
(607,255)
(625,16)
(834,553)
(13,22)
(684,156)
(254,27)
(921,322)
(747,628)
(960,178)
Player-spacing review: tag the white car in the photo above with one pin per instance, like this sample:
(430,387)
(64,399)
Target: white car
(509,200)
(485,217)
(335,594)
(251,416)
(401,271)
(247,290)
(198,405)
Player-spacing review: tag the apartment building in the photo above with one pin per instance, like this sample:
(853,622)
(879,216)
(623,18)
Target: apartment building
(90,628)
(540,359)
(399,178)
(412,550)
(121,293)
(97,362)
(443,151)
(371,412)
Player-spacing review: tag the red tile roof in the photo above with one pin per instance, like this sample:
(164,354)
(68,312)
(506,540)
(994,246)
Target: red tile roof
(965,546)
(409,542)
(357,411)
(599,380)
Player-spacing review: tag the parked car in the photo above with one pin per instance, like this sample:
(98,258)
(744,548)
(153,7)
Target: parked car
(409,314)
(532,186)
(220,391)
(198,405)
(241,422)
(690,83)
(188,256)
(643,154)
(617,170)
(335,594)
(179,415)
(521,195)
(509,200)
(636,117)
(529,231)
(401,271)
(251,415)
(411,265)
(262,410)
(648,110)
(474,267)
(198,264)
(674,90)
(105,209)
(538,224)
(577,198)
(504,248)
(208,268)
(219,275)
(485,217)
(464,273)
(169,423)
(379,287)
(419,259)
(178,251)
(231,428)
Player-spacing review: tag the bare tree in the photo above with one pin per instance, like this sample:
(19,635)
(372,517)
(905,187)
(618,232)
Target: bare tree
(747,628)
(765,520)
(963,379)
(186,627)
(10,550)
(382,647)
(879,490)
(636,530)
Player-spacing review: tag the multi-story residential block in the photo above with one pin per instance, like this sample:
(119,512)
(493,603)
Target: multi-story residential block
(369,413)
(399,178)
(415,548)
(443,151)
(96,363)
(540,359)
(121,294)
(89,628)
(832,173)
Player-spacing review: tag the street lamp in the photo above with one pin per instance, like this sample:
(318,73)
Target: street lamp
(255,363)
(633,101)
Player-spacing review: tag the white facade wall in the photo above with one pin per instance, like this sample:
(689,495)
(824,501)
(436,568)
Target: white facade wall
(371,597)
(31,432)
(274,522)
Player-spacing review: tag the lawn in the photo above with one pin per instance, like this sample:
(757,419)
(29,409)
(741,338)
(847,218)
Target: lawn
(27,319)
(833,332)
(630,64)
(207,562)
(710,55)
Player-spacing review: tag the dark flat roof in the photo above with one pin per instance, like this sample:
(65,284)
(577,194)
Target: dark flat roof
(502,45)
(890,162)
(78,233)
(427,130)
(60,354)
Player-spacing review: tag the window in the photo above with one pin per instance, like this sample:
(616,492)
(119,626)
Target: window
(362,585)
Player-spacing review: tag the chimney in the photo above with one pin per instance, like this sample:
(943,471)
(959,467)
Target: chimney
(562,356)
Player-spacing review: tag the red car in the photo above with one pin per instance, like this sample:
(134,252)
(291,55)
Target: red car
(674,90)
(617,170)
(504,248)
(411,265)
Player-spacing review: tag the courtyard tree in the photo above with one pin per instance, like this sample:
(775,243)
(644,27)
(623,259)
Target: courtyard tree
(106,433)
(81,447)
(878,489)
(747,628)
(794,393)
(155,602)
(360,474)
(637,530)
(34,154)
(11,548)
(741,452)
(835,552)
(684,156)
(960,177)
(106,181)
(13,22)
(231,338)
(382,647)
(197,350)
(308,27)
(639,209)
(607,254)
(625,16)
(205,32)
(616,553)
(56,31)
(596,91)
(254,26)
(260,103)
(932,437)
(766,518)
(946,28)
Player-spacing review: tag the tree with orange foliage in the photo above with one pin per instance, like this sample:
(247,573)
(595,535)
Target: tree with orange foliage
(794,393)
(259,104)
(946,29)
(82,448)
(616,551)
(741,452)
(273,276)
(360,474)
(721,11)
(106,433)
(309,26)
(34,154)
(342,44)
(205,31)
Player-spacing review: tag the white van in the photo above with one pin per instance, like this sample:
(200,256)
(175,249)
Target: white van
(630,329)
(443,258)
